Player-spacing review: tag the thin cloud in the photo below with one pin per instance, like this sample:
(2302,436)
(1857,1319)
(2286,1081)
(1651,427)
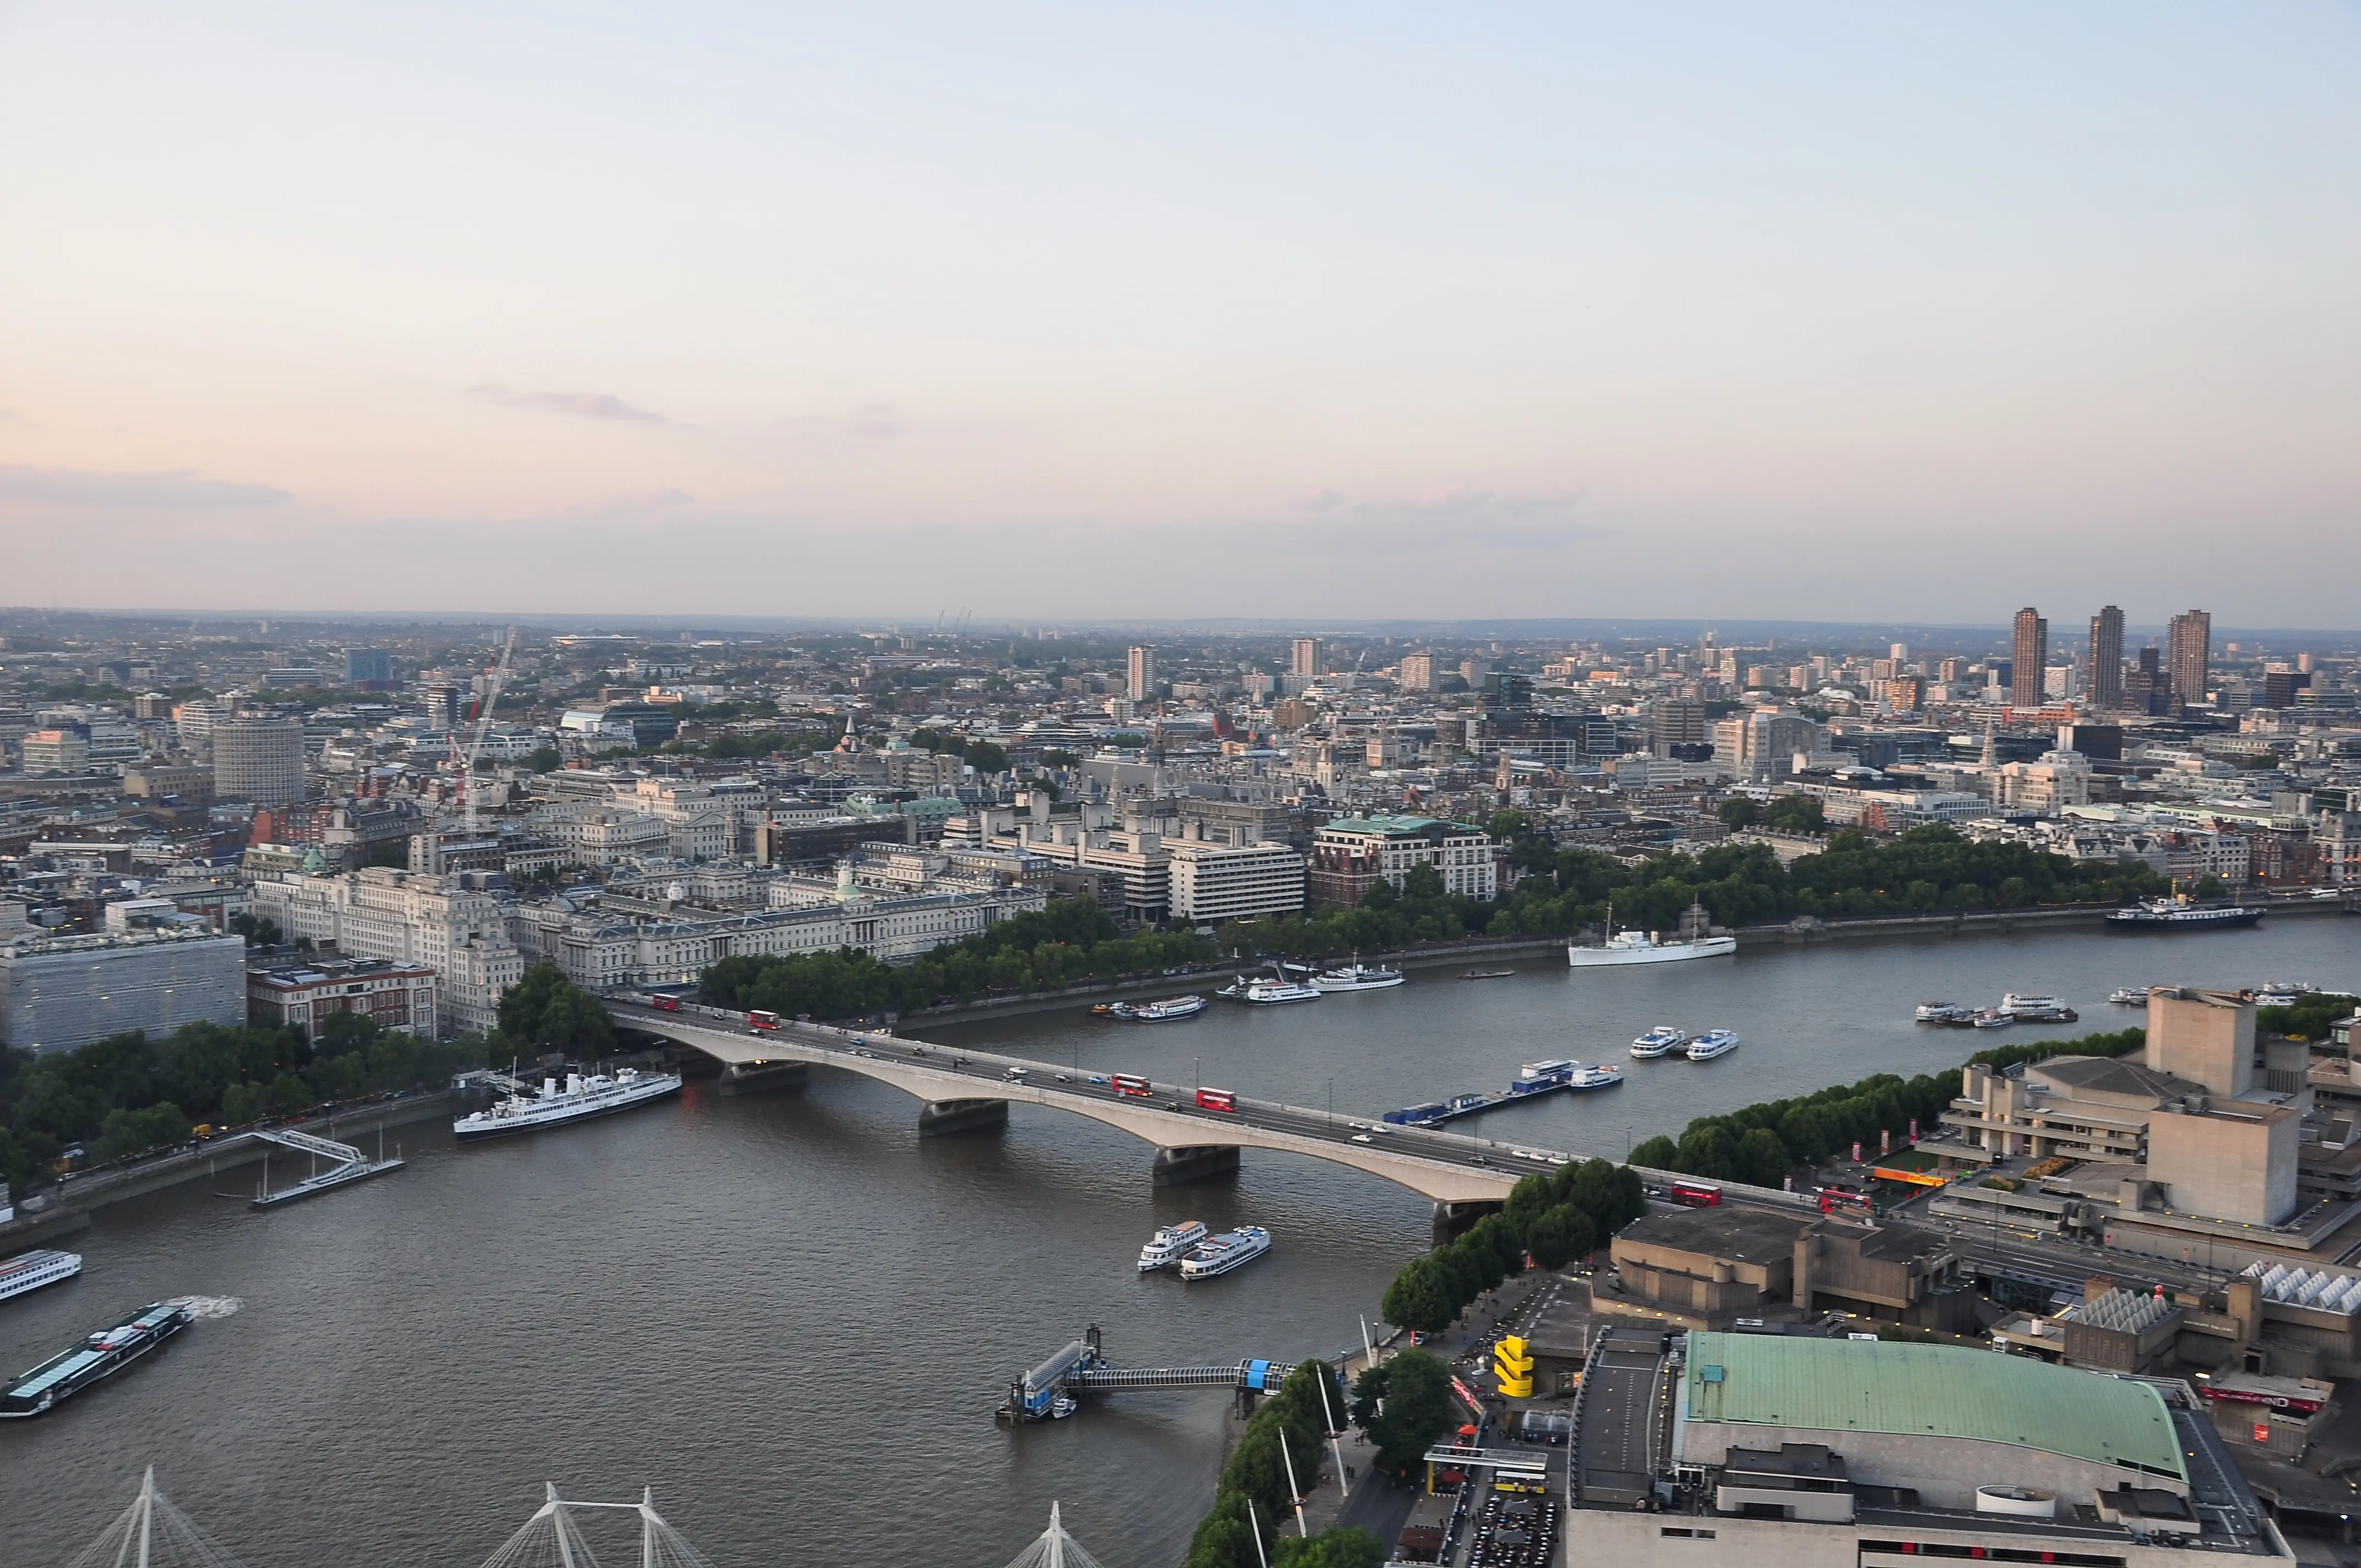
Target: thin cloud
(582,405)
(167,488)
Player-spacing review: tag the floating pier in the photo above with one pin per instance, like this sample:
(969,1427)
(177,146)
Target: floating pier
(1080,1367)
(347,1166)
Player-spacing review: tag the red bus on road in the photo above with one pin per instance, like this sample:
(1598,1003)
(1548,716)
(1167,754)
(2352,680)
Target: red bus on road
(1124,1083)
(1694,1194)
(761,1020)
(1833,1198)
(664,1004)
(1217,1100)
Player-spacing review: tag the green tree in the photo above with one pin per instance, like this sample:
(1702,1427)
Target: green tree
(544,1009)
(1739,811)
(136,1131)
(1797,814)
(1415,1388)
(986,757)
(1420,1298)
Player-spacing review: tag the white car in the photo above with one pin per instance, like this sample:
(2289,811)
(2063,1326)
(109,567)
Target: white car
(1363,1138)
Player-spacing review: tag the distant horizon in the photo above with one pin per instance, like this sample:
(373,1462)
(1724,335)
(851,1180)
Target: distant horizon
(980,624)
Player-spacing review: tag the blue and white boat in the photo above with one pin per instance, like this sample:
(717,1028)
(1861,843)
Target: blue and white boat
(1660,1041)
(1231,1249)
(1711,1044)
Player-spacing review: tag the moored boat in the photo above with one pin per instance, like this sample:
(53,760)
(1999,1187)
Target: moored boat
(1231,1249)
(1276,991)
(31,1270)
(1992,1018)
(1356,976)
(2178,913)
(1486,973)
(580,1099)
(1170,1244)
(1942,1011)
(1711,1044)
(1662,1040)
(1164,1011)
(1643,947)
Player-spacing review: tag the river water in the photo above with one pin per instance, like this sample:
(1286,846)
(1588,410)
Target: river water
(792,1316)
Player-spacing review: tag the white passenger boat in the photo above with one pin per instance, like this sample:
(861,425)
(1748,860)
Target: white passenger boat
(2129,996)
(1231,1249)
(1270,991)
(1941,1011)
(1356,976)
(580,1099)
(31,1270)
(1660,1041)
(1170,1244)
(1164,1011)
(1711,1044)
(2022,1002)
(1643,947)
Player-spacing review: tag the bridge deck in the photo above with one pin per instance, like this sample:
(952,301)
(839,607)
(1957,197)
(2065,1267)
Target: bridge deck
(1449,1167)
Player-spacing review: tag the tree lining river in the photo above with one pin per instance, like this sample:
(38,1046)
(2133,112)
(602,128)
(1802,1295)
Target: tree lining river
(792,1316)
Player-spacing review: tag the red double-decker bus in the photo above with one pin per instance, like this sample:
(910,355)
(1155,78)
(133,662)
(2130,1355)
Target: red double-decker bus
(758,1020)
(1124,1083)
(1217,1100)
(1834,1198)
(1694,1194)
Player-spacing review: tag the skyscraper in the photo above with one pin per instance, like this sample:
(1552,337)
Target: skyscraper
(2188,647)
(1305,659)
(2106,685)
(2027,658)
(1140,683)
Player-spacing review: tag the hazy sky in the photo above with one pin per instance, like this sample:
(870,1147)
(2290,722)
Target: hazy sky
(1855,312)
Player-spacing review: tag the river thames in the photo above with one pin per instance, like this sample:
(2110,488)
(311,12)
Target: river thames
(792,1316)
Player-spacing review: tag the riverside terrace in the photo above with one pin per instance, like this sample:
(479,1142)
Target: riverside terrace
(959,1089)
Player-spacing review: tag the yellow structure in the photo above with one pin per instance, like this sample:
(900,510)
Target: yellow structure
(1512,1364)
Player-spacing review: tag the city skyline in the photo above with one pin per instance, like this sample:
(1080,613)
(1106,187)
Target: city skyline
(1386,316)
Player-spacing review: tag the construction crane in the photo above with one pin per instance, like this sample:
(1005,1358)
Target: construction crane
(498,674)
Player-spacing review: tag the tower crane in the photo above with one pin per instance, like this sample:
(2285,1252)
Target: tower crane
(498,672)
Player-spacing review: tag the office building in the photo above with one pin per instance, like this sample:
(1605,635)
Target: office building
(2188,649)
(1351,854)
(1675,721)
(260,760)
(1304,658)
(1418,672)
(64,750)
(2029,659)
(1139,684)
(57,993)
(1232,882)
(369,666)
(451,925)
(305,996)
(2106,658)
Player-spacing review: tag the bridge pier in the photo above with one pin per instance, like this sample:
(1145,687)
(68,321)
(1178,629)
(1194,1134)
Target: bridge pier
(754,1078)
(1197,1162)
(961,1117)
(1452,1219)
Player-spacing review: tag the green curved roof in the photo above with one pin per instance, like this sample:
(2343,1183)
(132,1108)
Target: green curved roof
(1921,1390)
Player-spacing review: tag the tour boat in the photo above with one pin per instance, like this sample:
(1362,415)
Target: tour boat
(31,1270)
(1993,1018)
(2021,1002)
(2282,993)
(2129,996)
(1164,1011)
(1711,1044)
(1269,990)
(1660,1041)
(1231,1249)
(580,1099)
(1170,1243)
(1941,1011)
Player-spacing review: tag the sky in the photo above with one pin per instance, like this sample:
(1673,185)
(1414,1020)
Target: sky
(1841,312)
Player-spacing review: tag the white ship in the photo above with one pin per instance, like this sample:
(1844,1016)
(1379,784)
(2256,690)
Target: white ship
(580,1099)
(31,1270)
(1356,976)
(1278,990)
(2026,1001)
(1711,1044)
(1231,1249)
(1170,1244)
(1660,1041)
(1643,947)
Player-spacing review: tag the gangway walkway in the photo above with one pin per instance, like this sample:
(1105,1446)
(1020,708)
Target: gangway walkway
(347,1165)
(1258,1376)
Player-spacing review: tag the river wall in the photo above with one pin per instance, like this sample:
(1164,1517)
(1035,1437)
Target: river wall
(66,1208)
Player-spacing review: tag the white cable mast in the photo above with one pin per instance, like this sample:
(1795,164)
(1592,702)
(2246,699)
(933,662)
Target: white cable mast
(500,674)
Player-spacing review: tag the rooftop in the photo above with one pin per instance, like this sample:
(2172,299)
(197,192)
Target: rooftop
(1913,1389)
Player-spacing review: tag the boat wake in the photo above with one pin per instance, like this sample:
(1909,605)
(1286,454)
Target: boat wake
(206,1308)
